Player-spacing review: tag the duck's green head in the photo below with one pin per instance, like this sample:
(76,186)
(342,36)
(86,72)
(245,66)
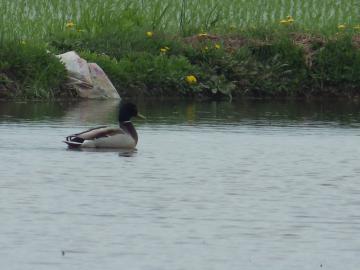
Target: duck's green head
(128,110)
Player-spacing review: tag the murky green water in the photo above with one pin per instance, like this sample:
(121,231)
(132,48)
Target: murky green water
(250,185)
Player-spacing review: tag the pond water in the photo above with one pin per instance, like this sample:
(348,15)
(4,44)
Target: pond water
(247,185)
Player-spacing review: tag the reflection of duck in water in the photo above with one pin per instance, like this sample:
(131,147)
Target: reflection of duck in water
(93,110)
(124,136)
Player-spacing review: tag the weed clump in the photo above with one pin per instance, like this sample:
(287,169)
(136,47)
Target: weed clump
(28,70)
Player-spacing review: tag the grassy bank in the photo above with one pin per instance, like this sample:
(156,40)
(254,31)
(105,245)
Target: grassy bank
(183,48)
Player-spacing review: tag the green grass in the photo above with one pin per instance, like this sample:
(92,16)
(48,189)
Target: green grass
(146,73)
(38,19)
(29,71)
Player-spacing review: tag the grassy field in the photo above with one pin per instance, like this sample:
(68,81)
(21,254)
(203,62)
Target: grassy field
(182,47)
(40,18)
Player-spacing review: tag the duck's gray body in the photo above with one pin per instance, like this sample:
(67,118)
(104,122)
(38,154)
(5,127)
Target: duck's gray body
(124,136)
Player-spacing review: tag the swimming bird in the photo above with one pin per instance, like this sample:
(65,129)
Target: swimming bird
(124,136)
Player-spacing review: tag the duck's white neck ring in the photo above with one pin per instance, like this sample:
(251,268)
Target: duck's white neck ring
(125,122)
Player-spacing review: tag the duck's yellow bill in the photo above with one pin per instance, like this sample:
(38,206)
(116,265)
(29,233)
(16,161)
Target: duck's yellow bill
(141,116)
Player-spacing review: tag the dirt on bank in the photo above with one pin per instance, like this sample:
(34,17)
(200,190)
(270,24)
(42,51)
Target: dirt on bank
(310,43)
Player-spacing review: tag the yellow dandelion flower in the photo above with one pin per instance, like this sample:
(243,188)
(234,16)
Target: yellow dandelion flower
(341,26)
(217,46)
(284,22)
(206,48)
(167,48)
(69,24)
(191,79)
(149,34)
(163,50)
(202,35)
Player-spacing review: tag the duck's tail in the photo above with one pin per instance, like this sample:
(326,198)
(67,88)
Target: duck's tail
(74,141)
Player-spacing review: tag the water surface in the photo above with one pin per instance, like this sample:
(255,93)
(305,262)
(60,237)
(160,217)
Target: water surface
(248,185)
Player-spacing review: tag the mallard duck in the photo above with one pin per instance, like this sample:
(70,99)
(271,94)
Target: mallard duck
(124,136)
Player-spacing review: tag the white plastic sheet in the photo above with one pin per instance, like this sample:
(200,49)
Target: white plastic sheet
(89,80)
